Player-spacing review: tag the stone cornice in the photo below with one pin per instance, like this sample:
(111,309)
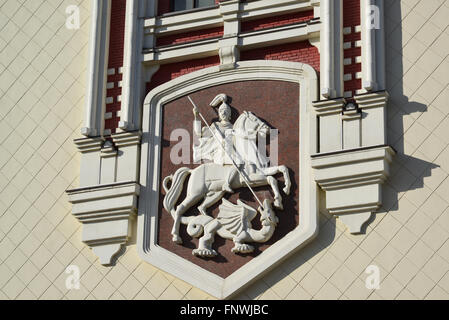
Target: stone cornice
(85,145)
(325,107)
(372,100)
(125,139)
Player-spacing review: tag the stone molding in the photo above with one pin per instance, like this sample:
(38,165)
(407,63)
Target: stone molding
(214,16)
(248,40)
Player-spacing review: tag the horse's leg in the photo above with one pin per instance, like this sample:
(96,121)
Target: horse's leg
(288,183)
(263,180)
(188,202)
(271,171)
(211,199)
(277,195)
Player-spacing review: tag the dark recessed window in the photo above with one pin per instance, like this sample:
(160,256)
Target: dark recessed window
(178,5)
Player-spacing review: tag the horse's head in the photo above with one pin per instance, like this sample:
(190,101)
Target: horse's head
(267,214)
(249,122)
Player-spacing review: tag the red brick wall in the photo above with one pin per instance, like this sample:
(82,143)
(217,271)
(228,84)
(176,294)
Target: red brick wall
(352,19)
(276,21)
(171,71)
(163,6)
(351,13)
(190,36)
(116,46)
(296,52)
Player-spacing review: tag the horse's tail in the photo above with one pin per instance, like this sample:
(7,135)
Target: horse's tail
(196,224)
(172,194)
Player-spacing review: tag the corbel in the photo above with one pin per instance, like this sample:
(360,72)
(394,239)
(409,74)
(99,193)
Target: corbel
(106,212)
(352,180)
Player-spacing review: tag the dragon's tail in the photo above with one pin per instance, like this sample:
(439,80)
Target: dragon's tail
(195,225)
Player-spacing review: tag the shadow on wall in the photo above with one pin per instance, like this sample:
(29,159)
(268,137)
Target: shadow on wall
(407,172)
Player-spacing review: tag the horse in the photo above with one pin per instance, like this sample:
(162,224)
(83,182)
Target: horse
(206,181)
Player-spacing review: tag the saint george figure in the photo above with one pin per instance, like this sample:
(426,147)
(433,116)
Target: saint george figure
(209,142)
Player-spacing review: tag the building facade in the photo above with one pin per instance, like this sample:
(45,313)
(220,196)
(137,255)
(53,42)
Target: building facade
(94,109)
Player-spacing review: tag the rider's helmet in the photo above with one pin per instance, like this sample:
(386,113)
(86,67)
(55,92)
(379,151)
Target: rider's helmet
(224,110)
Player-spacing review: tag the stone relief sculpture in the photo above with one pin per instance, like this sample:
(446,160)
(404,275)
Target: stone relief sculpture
(234,162)
(234,223)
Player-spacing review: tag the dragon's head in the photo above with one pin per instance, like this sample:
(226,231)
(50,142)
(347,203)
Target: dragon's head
(267,214)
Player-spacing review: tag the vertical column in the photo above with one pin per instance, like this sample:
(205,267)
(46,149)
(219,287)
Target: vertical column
(97,69)
(332,49)
(368,14)
(327,40)
(132,68)
(380,47)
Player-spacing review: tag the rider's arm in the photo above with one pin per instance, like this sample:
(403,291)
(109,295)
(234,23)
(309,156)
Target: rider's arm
(196,122)
(197,127)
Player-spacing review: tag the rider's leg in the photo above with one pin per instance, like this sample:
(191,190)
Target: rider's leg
(227,185)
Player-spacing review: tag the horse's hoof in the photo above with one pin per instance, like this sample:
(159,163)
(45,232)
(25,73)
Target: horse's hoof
(177,239)
(205,253)
(286,190)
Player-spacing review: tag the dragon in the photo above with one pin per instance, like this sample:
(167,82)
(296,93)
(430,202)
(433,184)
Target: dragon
(234,223)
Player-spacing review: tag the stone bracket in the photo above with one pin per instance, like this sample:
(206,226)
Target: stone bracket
(105,212)
(353,181)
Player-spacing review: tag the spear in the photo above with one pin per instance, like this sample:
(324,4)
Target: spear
(223,148)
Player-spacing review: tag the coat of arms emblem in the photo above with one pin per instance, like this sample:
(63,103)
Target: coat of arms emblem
(227,191)
(234,161)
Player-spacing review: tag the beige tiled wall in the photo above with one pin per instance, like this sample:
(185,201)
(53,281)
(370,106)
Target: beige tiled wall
(42,81)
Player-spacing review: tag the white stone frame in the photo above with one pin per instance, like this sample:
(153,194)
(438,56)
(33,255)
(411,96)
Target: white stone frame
(148,212)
